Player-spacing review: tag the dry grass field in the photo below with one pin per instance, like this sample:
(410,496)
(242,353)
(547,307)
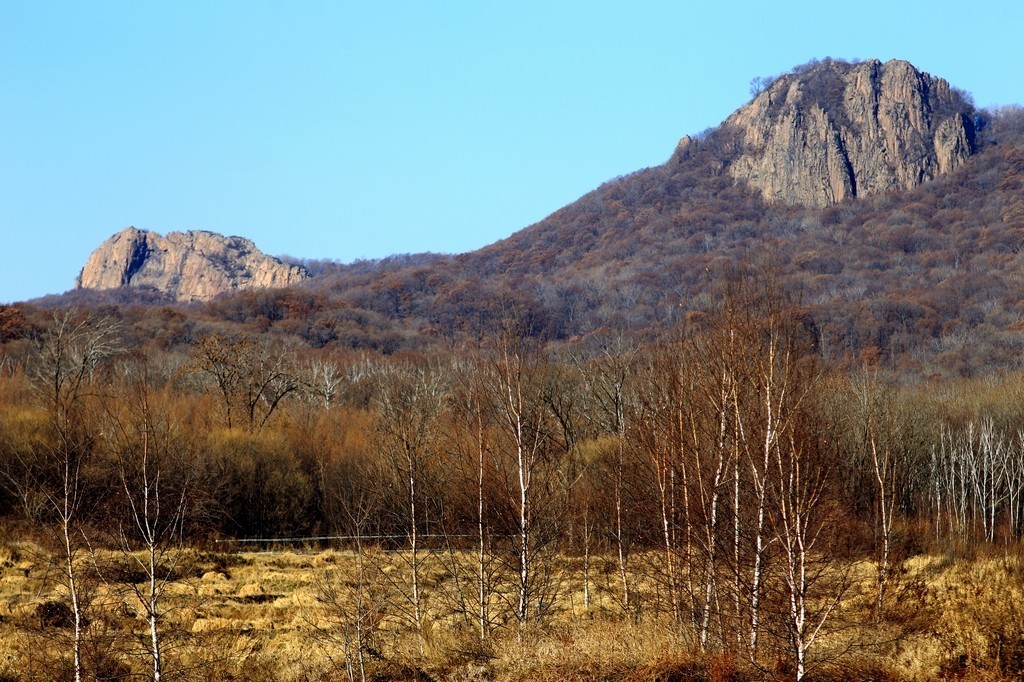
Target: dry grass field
(297,615)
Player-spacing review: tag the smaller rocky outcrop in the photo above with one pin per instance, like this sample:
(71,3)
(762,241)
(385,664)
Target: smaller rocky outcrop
(835,130)
(189,266)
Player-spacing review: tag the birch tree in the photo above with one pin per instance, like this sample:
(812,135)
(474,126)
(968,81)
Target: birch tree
(804,525)
(473,425)
(70,357)
(660,434)
(607,375)
(515,382)
(155,470)
(410,401)
(878,430)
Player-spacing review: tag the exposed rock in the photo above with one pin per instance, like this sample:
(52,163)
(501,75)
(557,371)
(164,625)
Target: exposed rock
(190,266)
(836,130)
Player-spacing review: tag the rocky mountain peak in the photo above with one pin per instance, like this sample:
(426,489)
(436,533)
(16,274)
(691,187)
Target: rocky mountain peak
(833,130)
(190,266)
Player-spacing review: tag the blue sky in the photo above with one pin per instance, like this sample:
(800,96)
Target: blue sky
(349,130)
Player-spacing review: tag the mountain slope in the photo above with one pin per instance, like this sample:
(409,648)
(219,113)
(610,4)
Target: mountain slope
(921,261)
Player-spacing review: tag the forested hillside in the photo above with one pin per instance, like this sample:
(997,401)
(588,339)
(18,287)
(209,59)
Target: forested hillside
(925,278)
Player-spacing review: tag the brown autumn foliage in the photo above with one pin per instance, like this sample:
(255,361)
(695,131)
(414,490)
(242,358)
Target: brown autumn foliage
(774,442)
(679,483)
(927,277)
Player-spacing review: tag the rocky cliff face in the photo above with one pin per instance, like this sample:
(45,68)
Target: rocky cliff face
(836,130)
(190,266)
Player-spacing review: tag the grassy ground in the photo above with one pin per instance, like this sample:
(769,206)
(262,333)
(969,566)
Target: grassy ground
(297,615)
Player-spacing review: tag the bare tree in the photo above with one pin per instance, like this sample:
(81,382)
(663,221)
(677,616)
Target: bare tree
(515,380)
(607,374)
(155,467)
(352,611)
(410,400)
(473,424)
(71,354)
(972,478)
(805,522)
(878,428)
(253,376)
(767,409)
(323,380)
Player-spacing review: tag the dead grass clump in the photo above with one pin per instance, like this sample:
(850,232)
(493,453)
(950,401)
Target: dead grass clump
(54,614)
(597,649)
(222,562)
(459,646)
(860,669)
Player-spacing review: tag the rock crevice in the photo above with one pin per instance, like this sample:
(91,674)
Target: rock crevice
(837,130)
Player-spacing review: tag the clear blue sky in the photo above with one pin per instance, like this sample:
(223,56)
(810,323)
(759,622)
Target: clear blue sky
(350,130)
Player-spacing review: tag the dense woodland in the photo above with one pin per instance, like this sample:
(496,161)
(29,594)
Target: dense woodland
(723,462)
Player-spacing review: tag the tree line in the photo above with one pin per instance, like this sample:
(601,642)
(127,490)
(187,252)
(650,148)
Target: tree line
(723,462)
